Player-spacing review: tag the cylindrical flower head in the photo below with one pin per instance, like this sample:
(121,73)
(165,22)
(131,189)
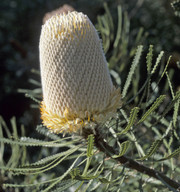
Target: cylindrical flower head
(77,88)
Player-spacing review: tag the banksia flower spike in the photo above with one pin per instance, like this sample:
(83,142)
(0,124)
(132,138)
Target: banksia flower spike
(77,88)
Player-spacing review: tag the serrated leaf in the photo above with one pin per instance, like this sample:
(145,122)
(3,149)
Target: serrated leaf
(90,145)
(156,104)
(166,67)
(132,70)
(45,131)
(175,114)
(40,169)
(46,160)
(157,62)
(123,149)
(132,119)
(149,58)
(173,154)
(28,185)
(170,85)
(177,96)
(152,149)
(26,141)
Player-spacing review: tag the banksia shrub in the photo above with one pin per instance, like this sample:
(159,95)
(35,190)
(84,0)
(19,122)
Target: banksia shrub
(77,87)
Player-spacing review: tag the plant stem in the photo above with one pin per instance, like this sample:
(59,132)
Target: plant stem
(86,167)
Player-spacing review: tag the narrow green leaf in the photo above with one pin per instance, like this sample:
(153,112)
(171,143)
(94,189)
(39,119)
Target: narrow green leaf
(123,149)
(16,153)
(157,62)
(45,131)
(170,85)
(175,114)
(132,119)
(89,155)
(26,141)
(33,98)
(173,154)
(116,76)
(132,70)
(79,187)
(5,127)
(177,96)
(1,147)
(40,169)
(46,160)
(119,28)
(156,104)
(34,82)
(28,185)
(90,145)
(152,149)
(166,67)
(35,71)
(149,58)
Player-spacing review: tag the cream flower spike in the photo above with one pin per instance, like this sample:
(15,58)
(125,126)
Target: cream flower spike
(77,88)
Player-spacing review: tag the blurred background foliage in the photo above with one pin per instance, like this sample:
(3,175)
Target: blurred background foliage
(121,28)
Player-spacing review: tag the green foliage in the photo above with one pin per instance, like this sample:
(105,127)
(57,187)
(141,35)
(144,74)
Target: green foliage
(118,38)
(152,149)
(149,58)
(132,70)
(123,149)
(157,62)
(156,104)
(90,145)
(132,119)
(146,128)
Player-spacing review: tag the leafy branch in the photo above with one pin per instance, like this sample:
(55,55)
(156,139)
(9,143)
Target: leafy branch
(130,163)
